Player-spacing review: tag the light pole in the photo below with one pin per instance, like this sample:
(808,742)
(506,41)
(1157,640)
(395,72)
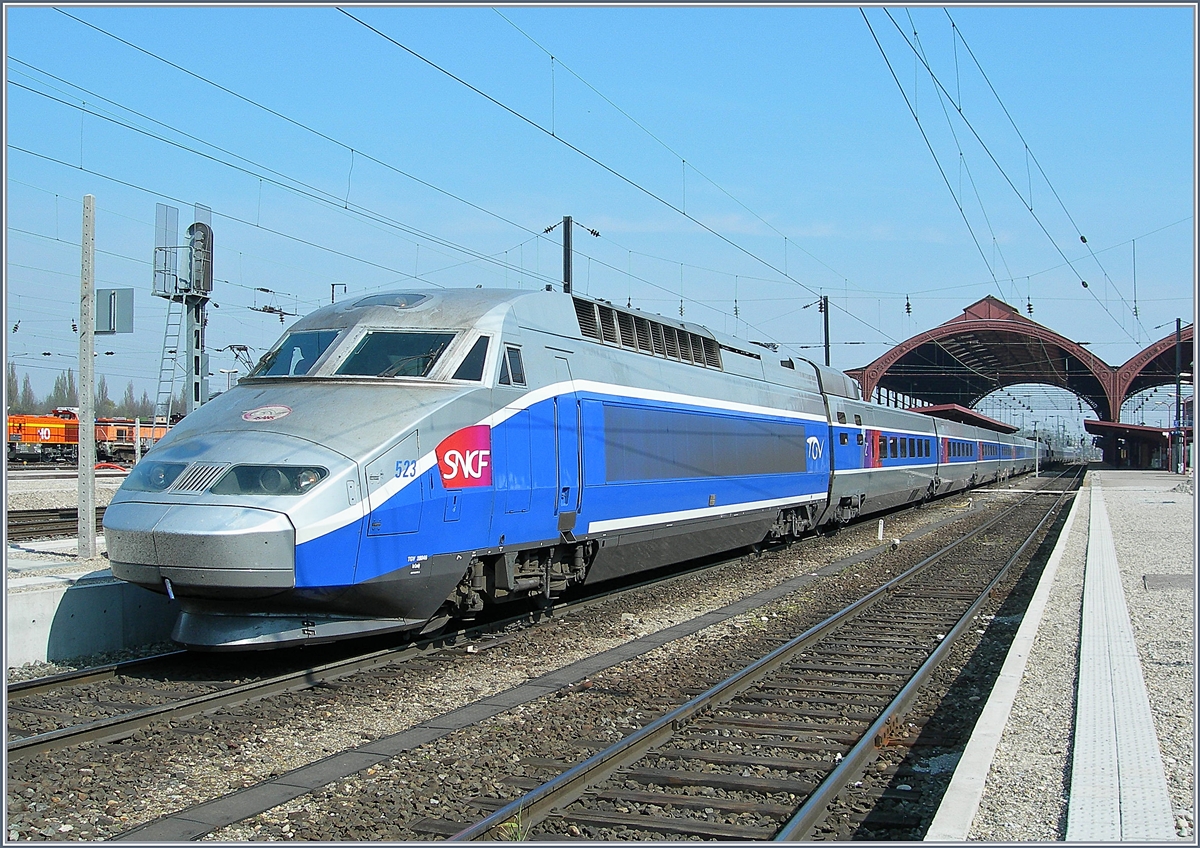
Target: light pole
(1036,452)
(1176,427)
(229,372)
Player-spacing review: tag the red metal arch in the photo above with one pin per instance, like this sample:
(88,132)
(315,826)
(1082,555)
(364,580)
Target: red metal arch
(1137,364)
(994,316)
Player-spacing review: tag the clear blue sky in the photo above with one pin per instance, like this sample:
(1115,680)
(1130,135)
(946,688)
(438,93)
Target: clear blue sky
(779,129)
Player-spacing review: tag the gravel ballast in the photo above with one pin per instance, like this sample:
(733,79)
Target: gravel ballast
(158,773)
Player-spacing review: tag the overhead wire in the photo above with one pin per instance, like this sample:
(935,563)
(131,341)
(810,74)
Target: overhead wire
(912,110)
(1041,170)
(312,192)
(292,121)
(963,163)
(999,167)
(609,169)
(679,156)
(632,183)
(304,190)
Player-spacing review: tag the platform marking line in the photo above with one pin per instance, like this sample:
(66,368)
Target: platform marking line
(1118,785)
(960,804)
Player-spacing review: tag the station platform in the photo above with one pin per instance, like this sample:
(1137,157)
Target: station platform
(1114,745)
(59,609)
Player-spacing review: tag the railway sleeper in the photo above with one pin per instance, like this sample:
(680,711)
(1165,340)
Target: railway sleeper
(742,760)
(666,824)
(727,782)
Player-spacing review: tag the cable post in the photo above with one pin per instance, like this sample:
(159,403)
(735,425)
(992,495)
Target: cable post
(566,254)
(86,453)
(825,309)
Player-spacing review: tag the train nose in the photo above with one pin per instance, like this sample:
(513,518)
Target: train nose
(205,551)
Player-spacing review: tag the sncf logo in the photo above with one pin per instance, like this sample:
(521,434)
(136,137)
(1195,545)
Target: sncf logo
(465,457)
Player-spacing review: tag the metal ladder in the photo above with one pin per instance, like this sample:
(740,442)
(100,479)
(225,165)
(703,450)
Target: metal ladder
(170,363)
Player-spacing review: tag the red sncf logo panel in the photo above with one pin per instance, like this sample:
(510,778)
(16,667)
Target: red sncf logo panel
(465,457)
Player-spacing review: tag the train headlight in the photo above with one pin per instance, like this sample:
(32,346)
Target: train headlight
(153,476)
(307,478)
(269,480)
(274,480)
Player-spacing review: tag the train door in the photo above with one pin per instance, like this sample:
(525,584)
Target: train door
(395,494)
(568,432)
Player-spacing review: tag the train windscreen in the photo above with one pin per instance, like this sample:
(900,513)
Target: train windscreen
(295,355)
(395,354)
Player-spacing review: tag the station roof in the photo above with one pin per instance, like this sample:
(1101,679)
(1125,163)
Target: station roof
(992,345)
(954,412)
(1139,432)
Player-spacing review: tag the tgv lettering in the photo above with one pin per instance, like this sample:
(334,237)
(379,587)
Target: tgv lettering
(471,464)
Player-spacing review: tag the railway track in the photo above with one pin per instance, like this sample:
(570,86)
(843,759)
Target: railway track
(112,702)
(27,524)
(761,755)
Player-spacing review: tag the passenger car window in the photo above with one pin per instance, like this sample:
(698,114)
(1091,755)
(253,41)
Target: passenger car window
(395,354)
(841,416)
(472,364)
(894,449)
(857,420)
(295,354)
(843,438)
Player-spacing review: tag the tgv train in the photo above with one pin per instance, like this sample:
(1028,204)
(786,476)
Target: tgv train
(403,458)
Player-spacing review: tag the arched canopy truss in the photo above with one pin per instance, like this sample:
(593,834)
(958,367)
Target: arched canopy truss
(991,346)
(1155,366)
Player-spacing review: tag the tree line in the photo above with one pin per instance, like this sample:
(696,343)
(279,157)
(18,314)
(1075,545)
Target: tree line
(22,400)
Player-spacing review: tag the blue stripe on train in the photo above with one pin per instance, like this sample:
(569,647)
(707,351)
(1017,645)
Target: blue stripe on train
(657,458)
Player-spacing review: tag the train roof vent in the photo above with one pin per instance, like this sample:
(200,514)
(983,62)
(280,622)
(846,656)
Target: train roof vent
(625,322)
(672,341)
(656,332)
(637,332)
(685,346)
(608,325)
(198,476)
(586,313)
(642,327)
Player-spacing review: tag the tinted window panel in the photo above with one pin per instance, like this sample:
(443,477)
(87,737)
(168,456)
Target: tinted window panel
(472,364)
(655,444)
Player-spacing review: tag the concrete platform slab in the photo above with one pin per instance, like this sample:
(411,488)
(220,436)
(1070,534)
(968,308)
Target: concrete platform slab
(56,612)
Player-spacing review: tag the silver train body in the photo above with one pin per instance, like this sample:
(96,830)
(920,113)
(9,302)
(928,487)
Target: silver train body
(402,458)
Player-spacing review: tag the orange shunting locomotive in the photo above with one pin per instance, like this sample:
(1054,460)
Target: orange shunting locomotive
(54,437)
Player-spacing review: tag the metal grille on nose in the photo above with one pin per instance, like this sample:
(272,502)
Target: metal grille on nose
(199,476)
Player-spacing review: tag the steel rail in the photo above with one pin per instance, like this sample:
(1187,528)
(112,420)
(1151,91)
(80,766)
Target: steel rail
(800,826)
(571,784)
(26,524)
(83,676)
(117,727)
